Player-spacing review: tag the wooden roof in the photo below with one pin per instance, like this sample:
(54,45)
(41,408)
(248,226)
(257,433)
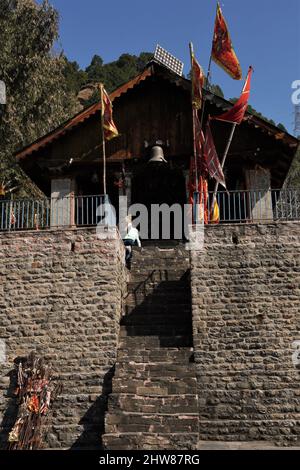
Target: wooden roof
(151,70)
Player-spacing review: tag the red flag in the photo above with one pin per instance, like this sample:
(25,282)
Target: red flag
(237,112)
(199,147)
(211,157)
(197,83)
(203,194)
(109,127)
(222,50)
(203,203)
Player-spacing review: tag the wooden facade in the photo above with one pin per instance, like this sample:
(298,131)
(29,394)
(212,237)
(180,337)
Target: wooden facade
(155,107)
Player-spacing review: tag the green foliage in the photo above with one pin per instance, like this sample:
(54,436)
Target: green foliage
(42,87)
(282,127)
(94,71)
(114,74)
(75,78)
(37,95)
(217,90)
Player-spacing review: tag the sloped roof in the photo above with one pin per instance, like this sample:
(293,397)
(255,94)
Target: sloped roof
(151,70)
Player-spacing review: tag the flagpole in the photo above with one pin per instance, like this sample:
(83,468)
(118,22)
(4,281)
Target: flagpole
(208,76)
(224,159)
(227,148)
(103,140)
(196,192)
(206,89)
(194,130)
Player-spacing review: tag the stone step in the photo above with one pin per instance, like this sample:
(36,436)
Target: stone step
(173,356)
(164,285)
(161,295)
(158,258)
(172,404)
(151,342)
(156,301)
(150,441)
(161,250)
(156,329)
(146,273)
(121,422)
(158,309)
(159,318)
(154,371)
(155,386)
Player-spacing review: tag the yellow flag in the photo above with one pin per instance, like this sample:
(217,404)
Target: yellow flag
(109,127)
(215,213)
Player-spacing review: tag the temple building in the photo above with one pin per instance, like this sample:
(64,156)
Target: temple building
(154,109)
(192,347)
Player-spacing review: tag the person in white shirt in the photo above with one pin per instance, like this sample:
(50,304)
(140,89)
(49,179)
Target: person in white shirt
(132,238)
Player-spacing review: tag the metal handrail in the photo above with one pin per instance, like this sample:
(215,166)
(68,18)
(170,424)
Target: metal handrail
(42,214)
(234,207)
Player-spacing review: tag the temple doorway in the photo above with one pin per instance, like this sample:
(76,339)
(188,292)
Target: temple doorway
(157,183)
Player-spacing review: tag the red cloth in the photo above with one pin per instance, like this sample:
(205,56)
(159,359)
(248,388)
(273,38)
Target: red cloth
(237,112)
(222,50)
(198,144)
(197,83)
(211,158)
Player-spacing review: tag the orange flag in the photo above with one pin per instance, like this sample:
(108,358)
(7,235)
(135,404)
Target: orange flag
(237,112)
(109,128)
(222,51)
(197,83)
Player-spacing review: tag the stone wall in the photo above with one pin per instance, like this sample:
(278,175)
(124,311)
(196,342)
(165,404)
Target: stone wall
(61,295)
(246,313)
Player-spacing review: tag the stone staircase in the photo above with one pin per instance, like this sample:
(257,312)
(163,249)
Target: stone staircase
(153,404)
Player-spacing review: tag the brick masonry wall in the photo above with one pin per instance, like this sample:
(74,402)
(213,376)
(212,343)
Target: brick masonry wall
(246,319)
(61,295)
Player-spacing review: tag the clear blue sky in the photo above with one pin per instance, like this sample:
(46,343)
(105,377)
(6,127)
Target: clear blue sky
(265,34)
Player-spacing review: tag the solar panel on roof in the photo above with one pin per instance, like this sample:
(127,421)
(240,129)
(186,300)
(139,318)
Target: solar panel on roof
(168,60)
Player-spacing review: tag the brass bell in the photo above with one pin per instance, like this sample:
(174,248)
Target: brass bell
(157,155)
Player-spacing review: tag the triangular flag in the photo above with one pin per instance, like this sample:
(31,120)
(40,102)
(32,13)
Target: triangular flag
(109,127)
(222,50)
(237,112)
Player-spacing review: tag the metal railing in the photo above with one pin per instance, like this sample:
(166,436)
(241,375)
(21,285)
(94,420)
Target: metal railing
(257,206)
(234,207)
(41,214)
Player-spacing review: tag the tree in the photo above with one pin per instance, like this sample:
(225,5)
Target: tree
(217,90)
(114,74)
(95,70)
(37,95)
(282,127)
(75,78)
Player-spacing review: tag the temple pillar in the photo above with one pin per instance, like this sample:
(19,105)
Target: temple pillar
(62,202)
